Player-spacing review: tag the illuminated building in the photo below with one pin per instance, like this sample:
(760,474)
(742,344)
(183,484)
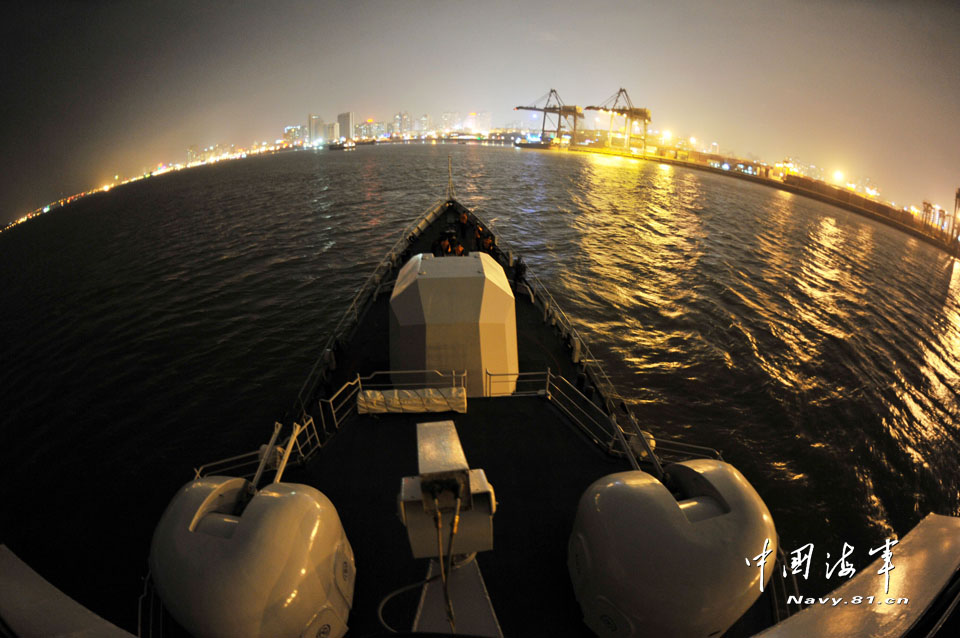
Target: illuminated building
(401,123)
(331,131)
(483,121)
(450,121)
(347,123)
(423,124)
(314,128)
(370,129)
(294,134)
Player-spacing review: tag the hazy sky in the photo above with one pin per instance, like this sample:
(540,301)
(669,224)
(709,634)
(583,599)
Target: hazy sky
(93,89)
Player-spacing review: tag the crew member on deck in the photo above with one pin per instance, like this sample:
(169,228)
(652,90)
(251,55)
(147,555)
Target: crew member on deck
(465,230)
(486,243)
(519,270)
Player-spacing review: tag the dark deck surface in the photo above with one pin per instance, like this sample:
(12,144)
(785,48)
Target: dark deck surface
(538,464)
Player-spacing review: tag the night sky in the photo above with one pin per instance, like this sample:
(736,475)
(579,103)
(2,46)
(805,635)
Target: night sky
(95,89)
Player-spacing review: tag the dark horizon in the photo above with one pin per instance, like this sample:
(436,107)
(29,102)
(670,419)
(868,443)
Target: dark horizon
(95,90)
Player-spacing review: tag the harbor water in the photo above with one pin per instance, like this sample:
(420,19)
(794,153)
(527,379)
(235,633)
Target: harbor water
(170,322)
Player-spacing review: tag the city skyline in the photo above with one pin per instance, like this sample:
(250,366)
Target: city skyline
(100,89)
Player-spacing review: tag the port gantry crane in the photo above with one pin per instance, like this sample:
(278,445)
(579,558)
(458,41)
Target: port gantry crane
(552,105)
(620,104)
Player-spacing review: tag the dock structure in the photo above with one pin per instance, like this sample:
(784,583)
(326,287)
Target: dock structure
(933,225)
(555,112)
(620,104)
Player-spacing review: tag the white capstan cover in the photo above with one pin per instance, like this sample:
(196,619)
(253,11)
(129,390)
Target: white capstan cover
(644,564)
(455,313)
(283,568)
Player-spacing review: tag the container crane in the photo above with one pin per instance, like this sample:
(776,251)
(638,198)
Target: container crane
(554,106)
(620,104)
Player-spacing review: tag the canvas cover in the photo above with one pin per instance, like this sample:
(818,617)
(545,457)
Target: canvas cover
(419,400)
(455,313)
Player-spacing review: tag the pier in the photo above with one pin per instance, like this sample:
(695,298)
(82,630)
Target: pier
(935,227)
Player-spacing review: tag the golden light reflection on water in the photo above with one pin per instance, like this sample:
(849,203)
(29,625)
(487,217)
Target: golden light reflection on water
(372,194)
(641,233)
(766,323)
(942,379)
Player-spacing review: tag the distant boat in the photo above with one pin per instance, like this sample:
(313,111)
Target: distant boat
(520,143)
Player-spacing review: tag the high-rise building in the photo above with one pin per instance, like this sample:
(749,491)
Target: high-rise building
(314,128)
(402,123)
(370,129)
(331,132)
(294,134)
(484,121)
(423,124)
(346,122)
(450,121)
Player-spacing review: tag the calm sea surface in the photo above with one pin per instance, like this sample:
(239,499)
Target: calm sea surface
(168,323)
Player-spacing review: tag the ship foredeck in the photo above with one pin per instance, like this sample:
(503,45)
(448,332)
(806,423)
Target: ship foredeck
(540,449)
(538,461)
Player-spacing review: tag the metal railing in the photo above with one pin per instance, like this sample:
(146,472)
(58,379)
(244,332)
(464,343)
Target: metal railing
(310,442)
(602,428)
(343,402)
(304,440)
(517,384)
(416,379)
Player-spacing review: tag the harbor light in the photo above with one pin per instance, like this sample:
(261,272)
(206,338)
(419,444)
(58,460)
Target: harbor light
(838,177)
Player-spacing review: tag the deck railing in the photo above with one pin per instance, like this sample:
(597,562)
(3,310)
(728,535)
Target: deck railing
(306,441)
(516,384)
(613,433)
(342,403)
